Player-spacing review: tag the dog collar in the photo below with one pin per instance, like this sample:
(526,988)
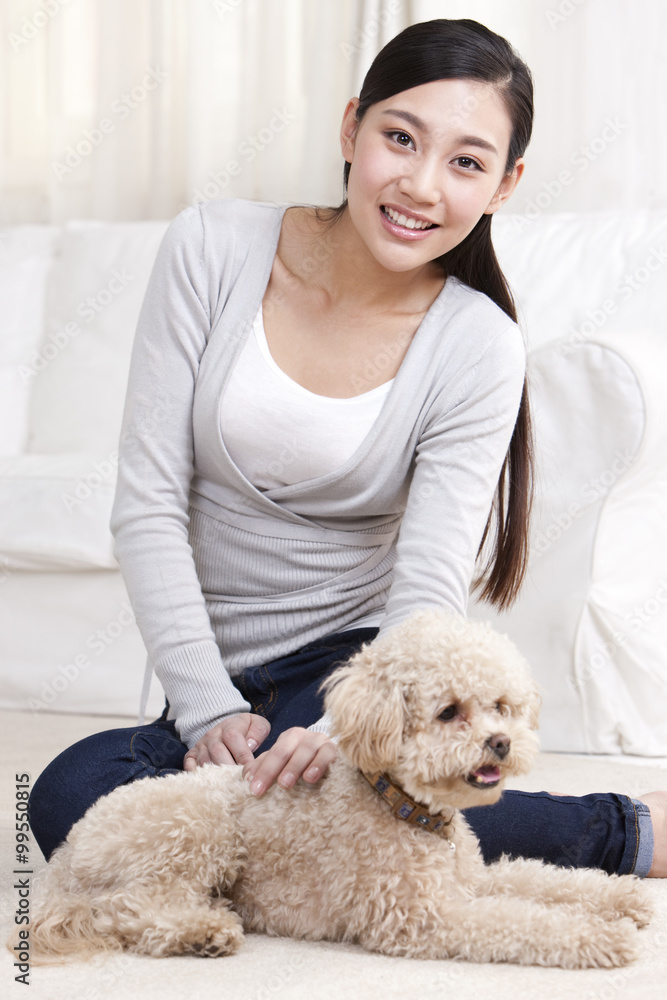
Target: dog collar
(405,808)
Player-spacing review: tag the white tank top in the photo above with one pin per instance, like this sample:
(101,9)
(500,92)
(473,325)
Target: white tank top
(277,432)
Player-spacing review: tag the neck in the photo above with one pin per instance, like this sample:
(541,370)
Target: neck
(352,278)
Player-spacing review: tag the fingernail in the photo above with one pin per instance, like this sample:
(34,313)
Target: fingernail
(312,773)
(252,743)
(287,780)
(257,787)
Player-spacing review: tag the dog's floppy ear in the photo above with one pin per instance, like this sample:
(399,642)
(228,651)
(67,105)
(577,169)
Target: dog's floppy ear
(532,706)
(367,710)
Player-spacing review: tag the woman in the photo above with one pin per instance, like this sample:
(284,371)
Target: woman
(322,405)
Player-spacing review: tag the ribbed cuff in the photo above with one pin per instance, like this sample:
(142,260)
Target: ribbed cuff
(323,725)
(199,689)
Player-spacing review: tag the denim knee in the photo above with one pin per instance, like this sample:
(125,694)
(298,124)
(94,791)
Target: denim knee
(93,767)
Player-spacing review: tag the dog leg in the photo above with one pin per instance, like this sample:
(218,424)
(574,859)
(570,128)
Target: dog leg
(166,924)
(505,929)
(610,896)
(144,862)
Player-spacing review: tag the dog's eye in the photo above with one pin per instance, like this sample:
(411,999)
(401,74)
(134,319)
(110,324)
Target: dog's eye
(501,707)
(448,713)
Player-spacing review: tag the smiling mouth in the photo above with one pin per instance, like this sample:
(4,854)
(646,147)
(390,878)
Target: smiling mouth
(413,225)
(487,776)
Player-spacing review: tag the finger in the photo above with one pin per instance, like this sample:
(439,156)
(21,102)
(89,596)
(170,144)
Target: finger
(258,730)
(311,757)
(216,751)
(250,769)
(321,763)
(274,761)
(195,757)
(236,746)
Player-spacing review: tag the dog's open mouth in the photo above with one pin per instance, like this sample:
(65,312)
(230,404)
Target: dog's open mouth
(487,776)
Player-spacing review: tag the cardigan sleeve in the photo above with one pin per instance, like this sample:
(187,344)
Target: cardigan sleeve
(456,467)
(149,518)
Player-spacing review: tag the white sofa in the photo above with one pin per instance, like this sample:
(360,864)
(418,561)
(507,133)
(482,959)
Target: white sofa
(592,618)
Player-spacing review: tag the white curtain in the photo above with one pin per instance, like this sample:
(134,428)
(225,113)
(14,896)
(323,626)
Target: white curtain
(133,109)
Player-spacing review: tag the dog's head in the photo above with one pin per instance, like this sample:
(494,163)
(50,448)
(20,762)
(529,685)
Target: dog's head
(444,706)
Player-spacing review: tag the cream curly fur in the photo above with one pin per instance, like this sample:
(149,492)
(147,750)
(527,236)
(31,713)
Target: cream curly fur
(184,863)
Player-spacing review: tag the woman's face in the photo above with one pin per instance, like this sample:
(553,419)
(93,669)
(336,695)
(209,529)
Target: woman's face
(435,152)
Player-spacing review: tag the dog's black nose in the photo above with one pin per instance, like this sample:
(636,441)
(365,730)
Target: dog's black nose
(500,744)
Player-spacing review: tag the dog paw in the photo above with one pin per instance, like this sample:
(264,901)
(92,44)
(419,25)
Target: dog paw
(604,945)
(217,941)
(630,899)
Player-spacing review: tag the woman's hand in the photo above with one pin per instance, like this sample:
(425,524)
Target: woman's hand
(231,741)
(296,753)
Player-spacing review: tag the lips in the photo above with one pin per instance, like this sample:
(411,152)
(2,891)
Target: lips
(403,232)
(408,220)
(487,776)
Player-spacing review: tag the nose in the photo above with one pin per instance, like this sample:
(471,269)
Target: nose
(500,744)
(421,184)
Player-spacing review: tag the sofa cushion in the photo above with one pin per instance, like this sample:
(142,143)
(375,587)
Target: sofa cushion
(55,512)
(26,256)
(579,275)
(592,615)
(94,295)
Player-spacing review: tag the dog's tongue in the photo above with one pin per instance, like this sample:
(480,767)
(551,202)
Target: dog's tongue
(488,774)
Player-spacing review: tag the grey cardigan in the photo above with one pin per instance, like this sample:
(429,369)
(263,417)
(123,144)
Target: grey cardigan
(221,575)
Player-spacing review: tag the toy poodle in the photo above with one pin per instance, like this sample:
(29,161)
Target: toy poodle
(430,718)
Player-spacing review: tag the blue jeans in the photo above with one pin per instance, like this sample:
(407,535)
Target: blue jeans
(604,830)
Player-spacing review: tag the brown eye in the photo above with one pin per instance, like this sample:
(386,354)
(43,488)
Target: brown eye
(448,713)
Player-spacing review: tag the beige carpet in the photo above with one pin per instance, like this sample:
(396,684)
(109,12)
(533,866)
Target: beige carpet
(280,969)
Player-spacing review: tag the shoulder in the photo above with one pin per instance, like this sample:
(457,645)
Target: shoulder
(239,211)
(219,224)
(480,331)
(481,309)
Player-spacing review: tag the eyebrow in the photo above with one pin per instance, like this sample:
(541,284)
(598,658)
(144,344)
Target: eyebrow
(466,140)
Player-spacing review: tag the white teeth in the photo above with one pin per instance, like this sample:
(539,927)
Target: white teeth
(405,220)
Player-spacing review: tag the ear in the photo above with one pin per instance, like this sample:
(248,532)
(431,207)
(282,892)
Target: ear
(532,706)
(506,187)
(349,128)
(367,711)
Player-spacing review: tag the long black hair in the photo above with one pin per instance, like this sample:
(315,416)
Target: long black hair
(464,49)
